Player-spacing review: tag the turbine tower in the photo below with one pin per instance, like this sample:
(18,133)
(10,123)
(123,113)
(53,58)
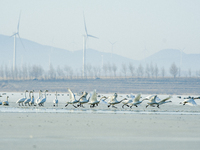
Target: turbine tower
(14,35)
(145,52)
(181,57)
(85,36)
(101,61)
(112,50)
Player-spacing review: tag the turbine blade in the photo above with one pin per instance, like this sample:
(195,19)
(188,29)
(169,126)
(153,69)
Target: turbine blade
(20,40)
(112,43)
(13,35)
(18,22)
(85,24)
(92,36)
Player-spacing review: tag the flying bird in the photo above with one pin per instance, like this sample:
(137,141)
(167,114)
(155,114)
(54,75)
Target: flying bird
(93,99)
(190,102)
(113,100)
(164,101)
(83,99)
(152,102)
(136,101)
(128,101)
(72,99)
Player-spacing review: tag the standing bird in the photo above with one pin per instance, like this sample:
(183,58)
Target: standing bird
(32,99)
(72,99)
(28,99)
(21,100)
(43,100)
(6,103)
(55,101)
(39,97)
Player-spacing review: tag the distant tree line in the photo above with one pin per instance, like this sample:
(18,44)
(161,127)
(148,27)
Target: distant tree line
(106,71)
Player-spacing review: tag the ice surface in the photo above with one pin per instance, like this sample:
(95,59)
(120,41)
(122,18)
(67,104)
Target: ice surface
(167,109)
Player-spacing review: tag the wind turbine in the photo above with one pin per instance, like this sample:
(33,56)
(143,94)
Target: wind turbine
(51,49)
(101,61)
(85,36)
(112,48)
(145,51)
(14,52)
(181,57)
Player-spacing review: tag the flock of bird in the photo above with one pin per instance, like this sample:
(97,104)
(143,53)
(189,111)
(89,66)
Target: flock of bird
(94,100)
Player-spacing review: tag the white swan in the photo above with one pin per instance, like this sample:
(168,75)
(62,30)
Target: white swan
(93,100)
(190,102)
(43,100)
(164,101)
(21,100)
(83,99)
(6,103)
(113,100)
(136,101)
(32,99)
(55,101)
(72,99)
(28,99)
(39,97)
(152,102)
(126,102)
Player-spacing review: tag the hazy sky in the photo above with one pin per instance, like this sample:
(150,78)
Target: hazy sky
(133,24)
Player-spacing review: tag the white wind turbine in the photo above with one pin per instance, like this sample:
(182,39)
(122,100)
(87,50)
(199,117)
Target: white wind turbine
(85,36)
(112,49)
(145,53)
(14,52)
(181,60)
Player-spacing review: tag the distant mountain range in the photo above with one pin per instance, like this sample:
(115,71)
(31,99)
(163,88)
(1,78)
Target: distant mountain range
(37,54)
(167,56)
